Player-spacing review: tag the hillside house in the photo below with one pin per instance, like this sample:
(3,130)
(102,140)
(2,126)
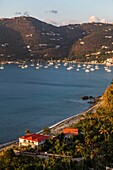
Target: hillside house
(33,140)
(69,132)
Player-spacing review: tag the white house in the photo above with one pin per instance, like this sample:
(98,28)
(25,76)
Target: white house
(32,139)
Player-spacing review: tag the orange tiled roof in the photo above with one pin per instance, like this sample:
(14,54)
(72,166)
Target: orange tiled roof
(34,137)
(70,131)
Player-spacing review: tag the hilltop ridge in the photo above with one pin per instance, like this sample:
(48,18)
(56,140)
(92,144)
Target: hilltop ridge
(29,38)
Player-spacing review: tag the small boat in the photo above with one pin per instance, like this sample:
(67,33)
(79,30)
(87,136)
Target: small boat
(65,64)
(87,71)
(40,65)
(88,66)
(78,65)
(46,66)
(84,65)
(32,65)
(51,62)
(1,67)
(92,69)
(108,70)
(69,68)
(37,67)
(25,66)
(97,67)
(56,66)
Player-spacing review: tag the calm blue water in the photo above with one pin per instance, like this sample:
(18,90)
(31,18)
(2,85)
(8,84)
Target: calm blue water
(33,99)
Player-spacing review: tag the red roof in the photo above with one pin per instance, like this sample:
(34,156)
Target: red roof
(35,137)
(70,131)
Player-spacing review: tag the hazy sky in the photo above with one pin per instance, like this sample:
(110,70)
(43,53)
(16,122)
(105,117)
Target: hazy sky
(59,11)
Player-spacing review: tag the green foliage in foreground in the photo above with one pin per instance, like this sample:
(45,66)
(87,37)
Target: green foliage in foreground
(97,129)
(95,140)
(94,143)
(12,162)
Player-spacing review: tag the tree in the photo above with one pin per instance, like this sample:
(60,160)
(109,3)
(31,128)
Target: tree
(107,99)
(46,131)
(27,132)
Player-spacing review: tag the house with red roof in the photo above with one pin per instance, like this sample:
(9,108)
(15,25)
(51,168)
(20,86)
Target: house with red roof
(69,132)
(32,139)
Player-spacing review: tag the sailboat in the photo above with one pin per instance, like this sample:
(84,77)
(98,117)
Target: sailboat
(46,66)
(51,63)
(70,67)
(108,69)
(1,67)
(87,71)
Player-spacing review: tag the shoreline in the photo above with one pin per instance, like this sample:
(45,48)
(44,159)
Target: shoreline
(58,127)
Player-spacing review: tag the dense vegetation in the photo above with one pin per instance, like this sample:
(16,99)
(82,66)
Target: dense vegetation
(10,161)
(28,38)
(94,144)
(95,140)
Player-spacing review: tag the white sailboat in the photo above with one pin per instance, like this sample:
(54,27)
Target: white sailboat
(87,71)
(46,66)
(97,67)
(65,64)
(78,65)
(108,69)
(70,67)
(56,66)
(37,67)
(1,67)
(92,69)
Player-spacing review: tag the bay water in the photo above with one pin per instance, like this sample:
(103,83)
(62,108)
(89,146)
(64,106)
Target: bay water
(33,99)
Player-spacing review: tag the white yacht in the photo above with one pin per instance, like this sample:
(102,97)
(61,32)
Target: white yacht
(78,65)
(65,64)
(84,65)
(108,70)
(50,62)
(38,64)
(1,67)
(88,66)
(46,66)
(92,69)
(97,67)
(69,68)
(37,67)
(87,71)
(32,64)
(26,66)
(56,66)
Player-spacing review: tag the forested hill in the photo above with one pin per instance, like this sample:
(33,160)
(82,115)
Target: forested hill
(26,38)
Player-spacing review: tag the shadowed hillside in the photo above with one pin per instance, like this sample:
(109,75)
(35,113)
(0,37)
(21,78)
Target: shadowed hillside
(29,38)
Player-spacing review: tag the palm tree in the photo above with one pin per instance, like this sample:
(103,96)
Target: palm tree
(27,132)
(46,131)
(104,131)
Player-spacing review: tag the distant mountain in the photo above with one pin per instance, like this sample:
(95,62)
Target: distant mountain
(96,45)
(28,38)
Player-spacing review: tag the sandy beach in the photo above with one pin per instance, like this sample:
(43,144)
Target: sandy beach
(57,128)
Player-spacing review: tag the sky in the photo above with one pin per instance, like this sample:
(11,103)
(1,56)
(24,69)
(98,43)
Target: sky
(59,12)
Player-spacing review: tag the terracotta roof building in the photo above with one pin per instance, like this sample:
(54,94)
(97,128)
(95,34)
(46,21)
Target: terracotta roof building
(32,140)
(70,131)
